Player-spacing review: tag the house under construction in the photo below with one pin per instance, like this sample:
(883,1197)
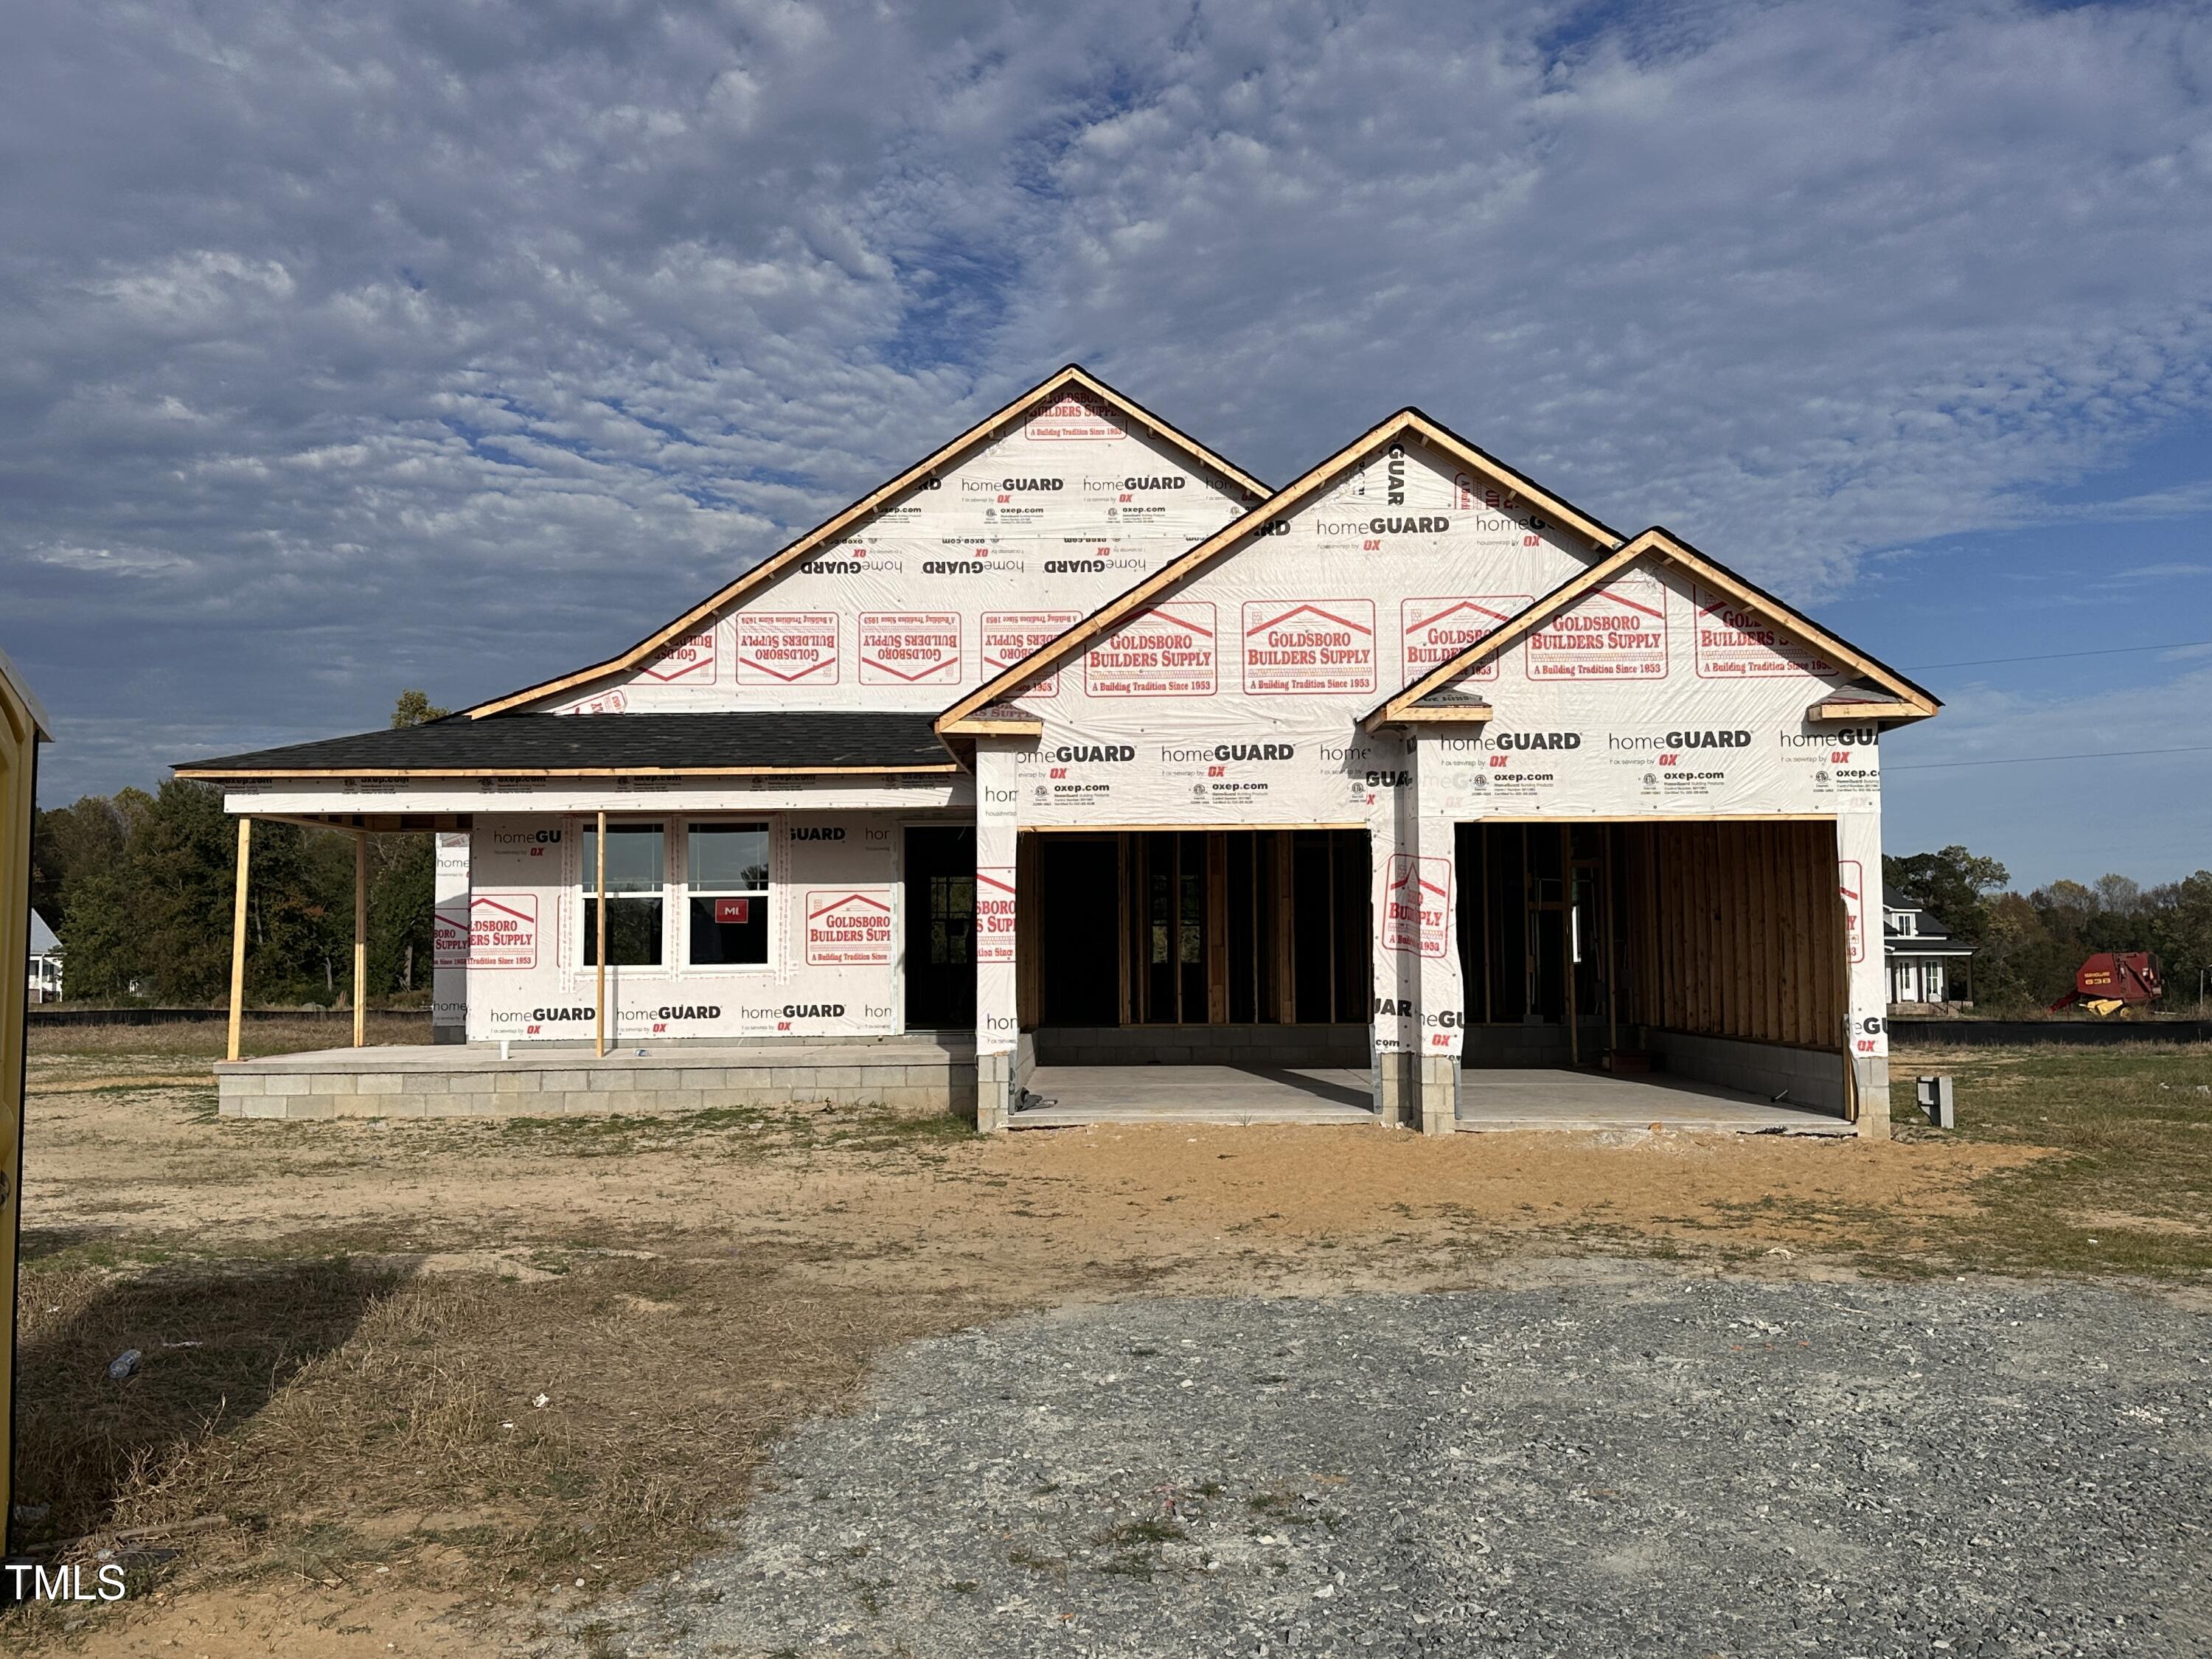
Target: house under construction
(1076,772)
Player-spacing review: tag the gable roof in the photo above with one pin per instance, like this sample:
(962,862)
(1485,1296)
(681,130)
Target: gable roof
(1073,378)
(958,719)
(1888,693)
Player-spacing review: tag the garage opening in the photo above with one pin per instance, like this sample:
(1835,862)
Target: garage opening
(1232,964)
(1712,953)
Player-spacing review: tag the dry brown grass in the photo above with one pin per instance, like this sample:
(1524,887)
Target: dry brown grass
(206,1039)
(343,1414)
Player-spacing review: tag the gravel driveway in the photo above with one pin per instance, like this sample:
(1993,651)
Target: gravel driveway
(1614,1462)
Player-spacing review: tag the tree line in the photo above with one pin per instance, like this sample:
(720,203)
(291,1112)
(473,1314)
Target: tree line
(139,888)
(2028,946)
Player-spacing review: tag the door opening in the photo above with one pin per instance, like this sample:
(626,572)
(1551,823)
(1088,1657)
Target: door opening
(941,928)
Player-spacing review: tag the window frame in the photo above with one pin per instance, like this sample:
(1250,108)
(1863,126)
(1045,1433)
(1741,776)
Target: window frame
(587,893)
(771,880)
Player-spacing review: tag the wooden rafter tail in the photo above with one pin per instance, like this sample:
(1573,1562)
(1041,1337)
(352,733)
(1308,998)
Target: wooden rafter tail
(1055,385)
(1163,581)
(997,723)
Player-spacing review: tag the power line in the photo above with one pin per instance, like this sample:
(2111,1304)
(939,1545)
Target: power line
(2033,760)
(2053,656)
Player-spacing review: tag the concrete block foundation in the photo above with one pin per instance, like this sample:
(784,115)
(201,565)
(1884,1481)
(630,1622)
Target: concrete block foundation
(916,1076)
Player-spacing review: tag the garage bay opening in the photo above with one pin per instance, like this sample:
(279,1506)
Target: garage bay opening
(1713,951)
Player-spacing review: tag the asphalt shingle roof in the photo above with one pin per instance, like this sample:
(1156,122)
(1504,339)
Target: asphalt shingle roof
(512,743)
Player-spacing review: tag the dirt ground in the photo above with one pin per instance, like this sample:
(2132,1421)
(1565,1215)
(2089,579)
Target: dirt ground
(407,1386)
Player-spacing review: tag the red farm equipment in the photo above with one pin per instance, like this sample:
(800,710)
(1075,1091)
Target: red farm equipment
(2113,980)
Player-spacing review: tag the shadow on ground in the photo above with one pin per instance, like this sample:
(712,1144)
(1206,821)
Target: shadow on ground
(216,1344)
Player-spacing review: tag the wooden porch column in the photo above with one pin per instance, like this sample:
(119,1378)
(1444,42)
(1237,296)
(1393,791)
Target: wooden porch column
(360,939)
(599,880)
(237,934)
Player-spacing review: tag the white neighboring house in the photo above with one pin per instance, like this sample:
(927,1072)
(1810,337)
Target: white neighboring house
(1920,955)
(45,962)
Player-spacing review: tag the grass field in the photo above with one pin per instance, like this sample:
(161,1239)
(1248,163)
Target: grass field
(418,1379)
(2124,1181)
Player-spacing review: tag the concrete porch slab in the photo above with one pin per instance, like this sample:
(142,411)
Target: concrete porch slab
(1506,1097)
(1195,1093)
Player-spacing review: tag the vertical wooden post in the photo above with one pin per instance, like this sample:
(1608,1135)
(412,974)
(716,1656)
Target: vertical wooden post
(1217,927)
(360,939)
(237,934)
(599,954)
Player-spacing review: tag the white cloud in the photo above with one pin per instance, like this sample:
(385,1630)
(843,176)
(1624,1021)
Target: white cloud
(345,348)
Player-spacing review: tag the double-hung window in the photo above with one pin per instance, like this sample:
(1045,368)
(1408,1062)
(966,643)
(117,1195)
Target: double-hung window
(727,872)
(637,866)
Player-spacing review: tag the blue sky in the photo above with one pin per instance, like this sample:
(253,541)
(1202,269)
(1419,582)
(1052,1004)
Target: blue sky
(343,349)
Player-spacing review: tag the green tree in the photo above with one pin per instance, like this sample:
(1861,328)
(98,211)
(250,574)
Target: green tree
(101,954)
(2179,915)
(415,708)
(178,875)
(399,901)
(2018,967)
(2068,910)
(1952,885)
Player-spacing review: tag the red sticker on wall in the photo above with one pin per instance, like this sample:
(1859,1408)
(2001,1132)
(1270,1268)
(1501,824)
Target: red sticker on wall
(907,647)
(845,929)
(1010,636)
(502,930)
(1436,630)
(1617,633)
(1074,420)
(1417,905)
(1734,642)
(1168,652)
(1308,646)
(787,647)
(691,661)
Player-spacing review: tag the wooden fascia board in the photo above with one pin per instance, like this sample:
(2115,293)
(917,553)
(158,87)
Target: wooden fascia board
(1845,710)
(204,774)
(977,727)
(1448,716)
(777,563)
